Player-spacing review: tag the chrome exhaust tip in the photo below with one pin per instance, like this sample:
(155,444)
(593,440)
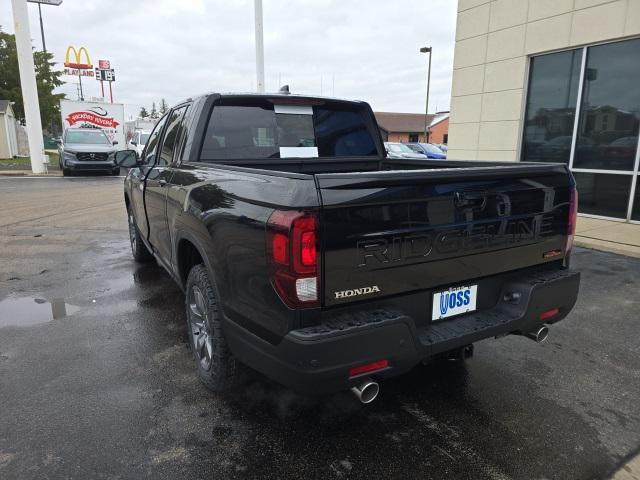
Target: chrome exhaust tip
(539,335)
(367,391)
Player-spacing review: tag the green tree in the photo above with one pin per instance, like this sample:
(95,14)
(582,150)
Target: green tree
(154,112)
(143,113)
(47,80)
(163,107)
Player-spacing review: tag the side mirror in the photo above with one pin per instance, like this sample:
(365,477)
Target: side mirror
(115,142)
(133,142)
(127,158)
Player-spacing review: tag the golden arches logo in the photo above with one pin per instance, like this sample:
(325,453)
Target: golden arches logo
(77,56)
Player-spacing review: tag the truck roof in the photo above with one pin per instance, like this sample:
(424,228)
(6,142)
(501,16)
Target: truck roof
(271,95)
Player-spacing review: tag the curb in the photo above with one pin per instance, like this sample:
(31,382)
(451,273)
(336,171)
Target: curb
(629,470)
(611,247)
(24,173)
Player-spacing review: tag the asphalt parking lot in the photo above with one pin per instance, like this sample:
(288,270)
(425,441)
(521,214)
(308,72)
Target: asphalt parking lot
(96,379)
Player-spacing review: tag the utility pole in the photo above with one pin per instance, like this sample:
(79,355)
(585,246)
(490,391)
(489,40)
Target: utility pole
(426,112)
(28,85)
(259,46)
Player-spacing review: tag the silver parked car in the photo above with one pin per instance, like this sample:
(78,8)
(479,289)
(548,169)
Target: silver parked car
(400,150)
(87,149)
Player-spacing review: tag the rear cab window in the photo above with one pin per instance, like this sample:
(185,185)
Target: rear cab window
(241,128)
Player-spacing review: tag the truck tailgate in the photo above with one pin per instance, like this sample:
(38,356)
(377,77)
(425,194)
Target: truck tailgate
(393,232)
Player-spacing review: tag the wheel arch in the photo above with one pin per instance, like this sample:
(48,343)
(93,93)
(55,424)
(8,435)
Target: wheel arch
(188,254)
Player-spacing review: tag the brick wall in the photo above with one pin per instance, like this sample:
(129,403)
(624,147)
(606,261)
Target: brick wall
(438,131)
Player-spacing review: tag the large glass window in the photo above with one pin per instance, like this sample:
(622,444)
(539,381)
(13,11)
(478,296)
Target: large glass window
(600,83)
(551,106)
(604,194)
(610,110)
(635,214)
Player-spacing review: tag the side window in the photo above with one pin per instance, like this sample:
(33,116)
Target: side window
(183,136)
(171,136)
(152,144)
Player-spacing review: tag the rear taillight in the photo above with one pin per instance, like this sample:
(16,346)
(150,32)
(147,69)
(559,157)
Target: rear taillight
(292,253)
(572,220)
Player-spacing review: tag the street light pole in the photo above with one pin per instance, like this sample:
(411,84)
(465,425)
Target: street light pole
(55,3)
(426,112)
(44,44)
(28,85)
(259,46)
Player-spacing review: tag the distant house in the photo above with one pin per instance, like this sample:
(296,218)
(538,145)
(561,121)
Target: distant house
(409,127)
(8,137)
(439,128)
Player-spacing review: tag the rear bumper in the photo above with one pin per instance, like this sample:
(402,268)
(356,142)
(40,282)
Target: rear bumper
(317,359)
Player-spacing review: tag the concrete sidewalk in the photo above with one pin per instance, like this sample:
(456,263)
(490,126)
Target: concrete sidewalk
(608,235)
(629,471)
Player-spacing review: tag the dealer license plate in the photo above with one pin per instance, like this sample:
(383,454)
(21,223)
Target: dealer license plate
(454,301)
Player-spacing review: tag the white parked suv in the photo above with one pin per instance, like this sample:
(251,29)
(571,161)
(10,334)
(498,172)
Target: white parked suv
(138,141)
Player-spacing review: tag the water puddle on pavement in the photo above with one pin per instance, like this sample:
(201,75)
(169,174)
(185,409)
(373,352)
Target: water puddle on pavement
(25,312)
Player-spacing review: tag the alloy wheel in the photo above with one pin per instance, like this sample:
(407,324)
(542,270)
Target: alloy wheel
(200,327)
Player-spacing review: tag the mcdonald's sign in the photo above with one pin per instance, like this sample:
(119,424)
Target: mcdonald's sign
(76,60)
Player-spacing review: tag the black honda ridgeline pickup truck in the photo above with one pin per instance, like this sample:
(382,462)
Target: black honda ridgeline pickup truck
(309,256)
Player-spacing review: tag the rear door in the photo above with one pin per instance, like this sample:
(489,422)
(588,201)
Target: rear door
(158,180)
(395,232)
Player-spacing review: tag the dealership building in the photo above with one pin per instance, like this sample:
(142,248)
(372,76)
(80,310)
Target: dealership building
(553,80)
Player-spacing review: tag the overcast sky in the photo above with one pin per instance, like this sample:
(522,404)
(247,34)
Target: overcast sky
(366,50)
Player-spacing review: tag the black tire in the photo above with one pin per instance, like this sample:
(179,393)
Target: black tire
(139,250)
(217,368)
(115,172)
(66,172)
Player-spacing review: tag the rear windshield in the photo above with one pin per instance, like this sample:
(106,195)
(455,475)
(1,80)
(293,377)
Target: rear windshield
(260,131)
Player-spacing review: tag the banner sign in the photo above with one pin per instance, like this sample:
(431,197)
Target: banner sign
(107,116)
(92,118)
(104,64)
